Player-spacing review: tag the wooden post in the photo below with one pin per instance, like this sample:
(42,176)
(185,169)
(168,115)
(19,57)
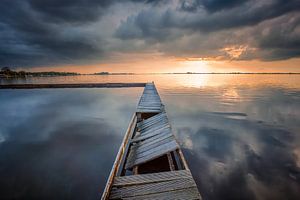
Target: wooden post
(136,170)
(171,163)
(139,117)
(182,159)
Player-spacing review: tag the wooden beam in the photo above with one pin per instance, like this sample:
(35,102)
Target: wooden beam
(171,163)
(71,85)
(182,159)
(119,157)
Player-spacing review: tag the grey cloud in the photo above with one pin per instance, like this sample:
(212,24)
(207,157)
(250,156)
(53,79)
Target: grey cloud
(210,5)
(47,32)
(58,32)
(78,11)
(203,34)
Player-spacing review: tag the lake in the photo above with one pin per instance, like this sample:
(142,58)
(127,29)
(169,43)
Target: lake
(240,134)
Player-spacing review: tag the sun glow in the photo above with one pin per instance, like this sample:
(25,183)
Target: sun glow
(196,66)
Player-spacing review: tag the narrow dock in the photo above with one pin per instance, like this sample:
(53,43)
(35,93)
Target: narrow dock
(150,163)
(70,85)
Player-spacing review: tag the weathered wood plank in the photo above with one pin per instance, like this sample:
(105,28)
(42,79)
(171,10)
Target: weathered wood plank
(151,178)
(136,159)
(163,149)
(148,110)
(151,188)
(154,140)
(160,130)
(151,119)
(160,118)
(150,101)
(150,155)
(145,143)
(139,148)
(146,121)
(147,130)
(182,194)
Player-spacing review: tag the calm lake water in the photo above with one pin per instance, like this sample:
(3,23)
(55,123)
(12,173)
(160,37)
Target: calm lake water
(239,133)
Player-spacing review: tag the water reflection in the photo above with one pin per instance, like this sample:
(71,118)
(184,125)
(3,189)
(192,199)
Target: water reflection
(174,81)
(60,144)
(240,135)
(243,150)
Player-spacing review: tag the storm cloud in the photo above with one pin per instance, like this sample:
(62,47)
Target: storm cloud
(58,32)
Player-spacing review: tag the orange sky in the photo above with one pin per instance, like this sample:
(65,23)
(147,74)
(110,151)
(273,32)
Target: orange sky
(158,64)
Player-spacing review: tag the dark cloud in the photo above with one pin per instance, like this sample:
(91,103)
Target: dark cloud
(77,11)
(198,33)
(58,32)
(47,32)
(210,5)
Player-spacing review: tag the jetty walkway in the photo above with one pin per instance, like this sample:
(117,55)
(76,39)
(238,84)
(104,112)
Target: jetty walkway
(150,163)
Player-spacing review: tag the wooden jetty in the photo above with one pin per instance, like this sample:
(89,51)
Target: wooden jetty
(150,163)
(70,85)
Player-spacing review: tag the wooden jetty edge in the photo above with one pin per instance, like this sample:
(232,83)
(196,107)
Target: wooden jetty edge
(70,85)
(150,163)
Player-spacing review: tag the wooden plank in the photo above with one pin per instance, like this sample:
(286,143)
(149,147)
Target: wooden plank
(157,133)
(158,126)
(147,130)
(182,194)
(163,149)
(150,101)
(151,178)
(147,106)
(151,188)
(133,159)
(149,110)
(138,148)
(161,130)
(154,125)
(150,155)
(145,143)
(135,154)
(145,110)
(155,138)
(152,119)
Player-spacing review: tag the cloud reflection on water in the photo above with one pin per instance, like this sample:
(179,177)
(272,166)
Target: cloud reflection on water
(60,144)
(243,151)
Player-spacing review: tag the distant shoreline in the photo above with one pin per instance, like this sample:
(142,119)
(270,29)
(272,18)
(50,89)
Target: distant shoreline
(132,74)
(6,73)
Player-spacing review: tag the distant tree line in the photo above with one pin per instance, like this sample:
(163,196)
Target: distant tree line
(6,72)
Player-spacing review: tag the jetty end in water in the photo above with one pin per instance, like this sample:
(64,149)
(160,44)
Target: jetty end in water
(150,163)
